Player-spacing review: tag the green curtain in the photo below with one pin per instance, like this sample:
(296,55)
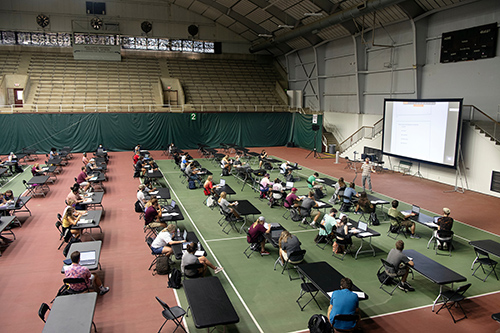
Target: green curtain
(303,134)
(122,131)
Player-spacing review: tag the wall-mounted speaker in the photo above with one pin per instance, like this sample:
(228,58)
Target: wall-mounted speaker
(315,127)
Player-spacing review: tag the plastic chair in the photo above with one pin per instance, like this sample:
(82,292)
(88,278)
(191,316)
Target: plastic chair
(307,288)
(345,318)
(328,239)
(174,313)
(483,259)
(149,241)
(445,237)
(392,272)
(454,297)
(74,281)
(294,259)
(44,307)
(397,229)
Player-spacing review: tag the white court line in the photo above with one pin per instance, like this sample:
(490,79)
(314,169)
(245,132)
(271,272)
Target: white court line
(215,258)
(13,179)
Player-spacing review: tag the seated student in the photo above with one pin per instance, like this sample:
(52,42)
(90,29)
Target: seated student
(192,173)
(288,244)
(364,204)
(343,237)
(208,187)
(152,215)
(53,153)
(278,191)
(74,195)
(36,170)
(141,196)
(402,219)
(256,234)
(285,169)
(402,264)
(77,271)
(445,223)
(69,219)
(171,148)
(164,241)
(306,209)
(148,185)
(228,207)
(76,213)
(139,170)
(292,200)
(188,258)
(343,301)
(136,158)
(91,167)
(184,161)
(237,163)
(226,163)
(265,183)
(312,183)
(85,160)
(339,187)
(82,179)
(329,223)
(137,149)
(262,156)
(12,158)
(6,199)
(349,192)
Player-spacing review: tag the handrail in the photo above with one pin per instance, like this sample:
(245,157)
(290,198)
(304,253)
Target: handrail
(484,114)
(352,135)
(362,132)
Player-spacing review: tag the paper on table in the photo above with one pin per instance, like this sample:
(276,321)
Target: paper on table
(374,202)
(431,224)
(365,234)
(87,200)
(150,171)
(199,253)
(320,204)
(360,294)
(93,178)
(319,180)
(153,193)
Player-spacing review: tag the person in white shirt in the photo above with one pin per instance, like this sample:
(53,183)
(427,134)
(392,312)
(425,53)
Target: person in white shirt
(366,170)
(163,242)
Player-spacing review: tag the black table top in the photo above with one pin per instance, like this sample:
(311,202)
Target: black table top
(433,270)
(245,207)
(97,177)
(177,248)
(175,215)
(273,236)
(420,218)
(38,180)
(324,277)
(5,221)
(95,198)
(376,200)
(361,234)
(326,181)
(161,193)
(154,174)
(322,204)
(86,246)
(71,311)
(226,188)
(487,245)
(55,161)
(209,302)
(93,219)
(2,171)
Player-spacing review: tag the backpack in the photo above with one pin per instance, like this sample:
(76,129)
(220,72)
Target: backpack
(374,219)
(191,185)
(318,194)
(138,207)
(225,172)
(382,275)
(71,241)
(267,166)
(294,215)
(174,279)
(318,323)
(162,266)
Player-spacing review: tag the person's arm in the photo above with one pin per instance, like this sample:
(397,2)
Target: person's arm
(328,312)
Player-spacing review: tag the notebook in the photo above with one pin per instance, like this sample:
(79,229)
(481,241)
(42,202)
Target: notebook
(185,235)
(289,184)
(87,258)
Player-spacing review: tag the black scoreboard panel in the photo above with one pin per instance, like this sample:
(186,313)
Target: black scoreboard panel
(469,44)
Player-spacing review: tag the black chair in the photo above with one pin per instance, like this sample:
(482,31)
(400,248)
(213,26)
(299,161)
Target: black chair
(294,259)
(395,227)
(444,239)
(346,242)
(149,241)
(59,226)
(483,259)
(174,313)
(74,281)
(345,318)
(44,307)
(454,297)
(346,206)
(30,188)
(307,288)
(252,246)
(328,239)
(227,220)
(392,273)
(193,267)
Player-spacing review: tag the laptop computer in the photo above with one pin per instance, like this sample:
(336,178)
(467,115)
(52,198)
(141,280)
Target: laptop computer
(87,258)
(415,209)
(222,182)
(362,226)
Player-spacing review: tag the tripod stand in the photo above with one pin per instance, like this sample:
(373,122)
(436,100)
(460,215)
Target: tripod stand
(314,151)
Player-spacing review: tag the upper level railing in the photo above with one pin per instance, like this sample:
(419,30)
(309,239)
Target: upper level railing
(363,132)
(480,119)
(56,108)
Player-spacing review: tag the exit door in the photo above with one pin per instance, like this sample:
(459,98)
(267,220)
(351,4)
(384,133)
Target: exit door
(18,97)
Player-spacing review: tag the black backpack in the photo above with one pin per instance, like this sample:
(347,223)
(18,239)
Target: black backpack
(294,215)
(374,219)
(382,276)
(225,172)
(191,185)
(318,323)
(71,241)
(138,207)
(175,279)
(162,266)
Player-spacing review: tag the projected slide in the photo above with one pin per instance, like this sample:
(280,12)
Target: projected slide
(424,130)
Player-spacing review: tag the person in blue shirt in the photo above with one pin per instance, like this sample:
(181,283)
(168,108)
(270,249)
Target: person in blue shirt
(345,302)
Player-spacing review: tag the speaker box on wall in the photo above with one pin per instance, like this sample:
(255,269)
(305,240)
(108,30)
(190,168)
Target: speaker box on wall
(315,127)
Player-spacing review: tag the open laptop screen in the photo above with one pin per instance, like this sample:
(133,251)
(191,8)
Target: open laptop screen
(415,209)
(362,226)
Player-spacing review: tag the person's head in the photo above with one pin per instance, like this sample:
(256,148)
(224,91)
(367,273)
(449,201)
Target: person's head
(343,220)
(363,195)
(209,178)
(75,257)
(170,229)
(75,189)
(352,185)
(267,175)
(84,154)
(36,165)
(8,193)
(142,187)
(311,194)
(83,168)
(261,220)
(277,181)
(446,211)
(400,245)
(367,160)
(316,174)
(263,151)
(71,203)
(285,234)
(92,161)
(191,247)
(346,283)
(341,182)
(294,189)
(395,204)
(223,195)
(69,212)
(154,202)
(333,211)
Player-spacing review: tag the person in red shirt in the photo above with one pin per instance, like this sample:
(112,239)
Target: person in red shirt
(256,234)
(136,158)
(82,179)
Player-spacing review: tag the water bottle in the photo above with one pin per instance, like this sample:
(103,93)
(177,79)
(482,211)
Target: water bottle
(178,232)
(199,246)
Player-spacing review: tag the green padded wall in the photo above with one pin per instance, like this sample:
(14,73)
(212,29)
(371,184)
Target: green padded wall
(122,131)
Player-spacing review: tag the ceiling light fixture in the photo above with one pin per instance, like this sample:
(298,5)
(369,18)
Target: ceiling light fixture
(265,35)
(286,26)
(313,14)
